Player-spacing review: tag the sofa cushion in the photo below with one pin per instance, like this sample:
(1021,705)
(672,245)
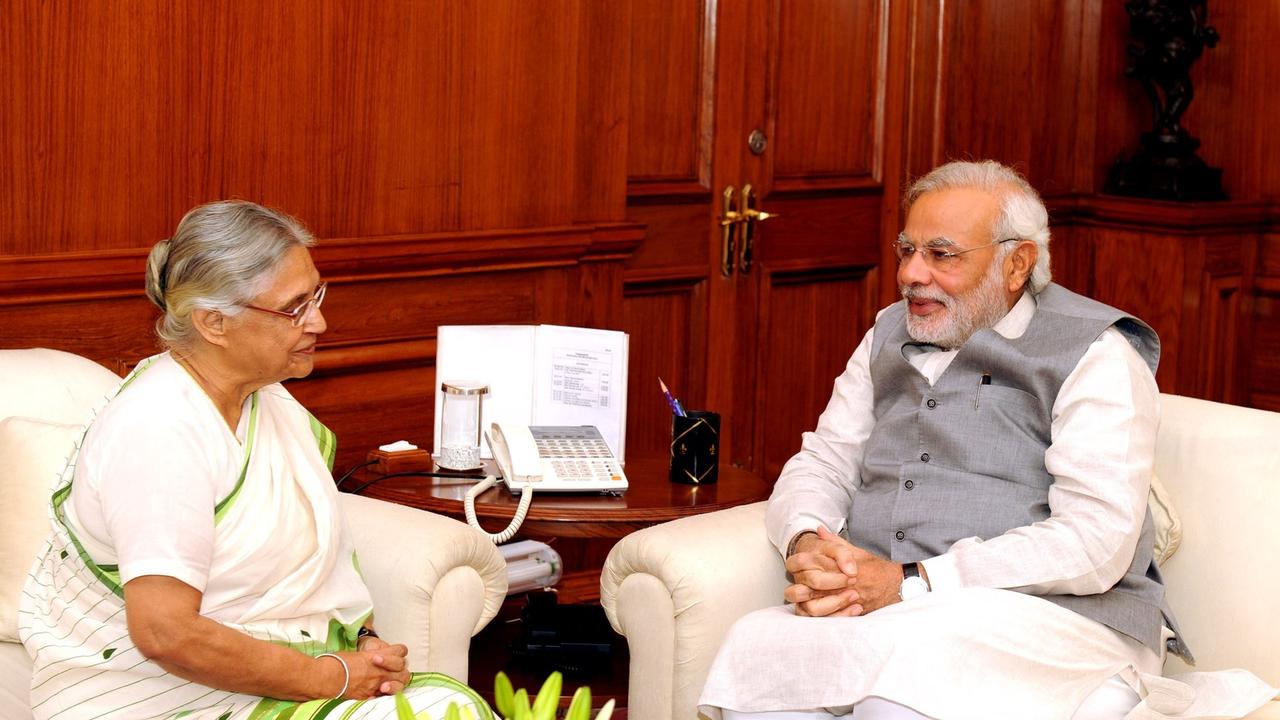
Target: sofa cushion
(32,454)
(15,682)
(1219,463)
(52,385)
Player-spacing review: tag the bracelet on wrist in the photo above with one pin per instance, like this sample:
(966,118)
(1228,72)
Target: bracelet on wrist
(346,673)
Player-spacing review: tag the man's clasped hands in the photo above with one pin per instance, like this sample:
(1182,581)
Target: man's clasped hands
(833,577)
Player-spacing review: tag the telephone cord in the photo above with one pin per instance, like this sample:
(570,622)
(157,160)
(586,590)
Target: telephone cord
(469,507)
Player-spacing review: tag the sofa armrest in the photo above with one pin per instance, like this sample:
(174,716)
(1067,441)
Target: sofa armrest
(435,582)
(675,589)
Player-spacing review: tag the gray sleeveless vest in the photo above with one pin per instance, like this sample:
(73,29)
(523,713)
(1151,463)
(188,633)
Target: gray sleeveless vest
(962,458)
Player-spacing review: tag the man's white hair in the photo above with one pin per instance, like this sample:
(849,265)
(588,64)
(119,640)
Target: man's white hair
(1022,213)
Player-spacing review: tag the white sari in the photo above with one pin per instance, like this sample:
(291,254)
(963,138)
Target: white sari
(279,566)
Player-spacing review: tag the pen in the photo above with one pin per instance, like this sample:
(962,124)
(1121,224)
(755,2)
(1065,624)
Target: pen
(674,403)
(986,380)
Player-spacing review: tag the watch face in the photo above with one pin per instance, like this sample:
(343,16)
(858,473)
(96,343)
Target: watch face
(913,587)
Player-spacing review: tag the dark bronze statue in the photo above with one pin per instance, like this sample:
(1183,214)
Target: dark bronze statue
(1168,37)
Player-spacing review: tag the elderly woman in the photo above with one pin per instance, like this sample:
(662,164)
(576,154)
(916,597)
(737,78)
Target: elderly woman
(199,566)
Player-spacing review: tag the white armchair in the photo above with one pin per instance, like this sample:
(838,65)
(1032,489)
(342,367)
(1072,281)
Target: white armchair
(674,589)
(435,581)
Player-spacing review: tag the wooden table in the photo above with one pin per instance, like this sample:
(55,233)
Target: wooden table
(650,499)
(582,528)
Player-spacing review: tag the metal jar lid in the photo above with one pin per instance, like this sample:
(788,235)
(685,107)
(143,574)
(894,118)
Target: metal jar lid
(462,388)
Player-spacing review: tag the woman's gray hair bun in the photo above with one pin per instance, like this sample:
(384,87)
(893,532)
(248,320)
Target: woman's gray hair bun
(157,266)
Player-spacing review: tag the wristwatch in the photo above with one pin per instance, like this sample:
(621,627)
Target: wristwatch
(364,632)
(912,584)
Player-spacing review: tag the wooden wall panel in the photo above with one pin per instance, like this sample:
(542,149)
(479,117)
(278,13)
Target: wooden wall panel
(1016,86)
(604,81)
(822,316)
(1263,327)
(518,113)
(672,81)
(362,119)
(1151,290)
(835,45)
(1264,361)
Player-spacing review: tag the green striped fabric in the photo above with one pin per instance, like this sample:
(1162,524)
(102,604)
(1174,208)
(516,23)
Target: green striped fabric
(325,439)
(430,694)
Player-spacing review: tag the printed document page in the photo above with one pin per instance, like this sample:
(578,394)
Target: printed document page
(581,379)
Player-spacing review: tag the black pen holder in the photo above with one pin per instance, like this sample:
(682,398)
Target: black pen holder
(695,448)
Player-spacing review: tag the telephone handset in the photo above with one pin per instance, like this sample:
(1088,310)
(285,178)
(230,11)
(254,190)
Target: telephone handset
(548,458)
(517,456)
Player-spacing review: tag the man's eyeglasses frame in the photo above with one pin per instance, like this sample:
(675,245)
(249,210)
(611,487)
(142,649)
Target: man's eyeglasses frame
(935,256)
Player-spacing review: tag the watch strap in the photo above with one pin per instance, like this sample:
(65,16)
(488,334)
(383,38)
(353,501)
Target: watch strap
(791,546)
(910,570)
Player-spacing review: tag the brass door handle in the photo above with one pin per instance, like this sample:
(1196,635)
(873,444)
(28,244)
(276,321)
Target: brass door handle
(730,218)
(750,216)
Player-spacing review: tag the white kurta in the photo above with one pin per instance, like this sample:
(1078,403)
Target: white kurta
(161,486)
(949,654)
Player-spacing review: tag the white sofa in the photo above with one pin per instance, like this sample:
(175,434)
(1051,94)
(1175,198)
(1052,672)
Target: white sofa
(674,589)
(435,581)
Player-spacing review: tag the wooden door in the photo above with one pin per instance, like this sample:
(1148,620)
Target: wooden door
(761,338)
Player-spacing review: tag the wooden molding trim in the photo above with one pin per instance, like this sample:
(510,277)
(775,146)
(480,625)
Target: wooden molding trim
(116,273)
(664,188)
(1167,217)
(814,184)
(634,281)
(365,356)
(1267,285)
(792,273)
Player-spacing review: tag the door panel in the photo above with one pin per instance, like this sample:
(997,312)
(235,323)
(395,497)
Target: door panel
(670,93)
(807,341)
(825,92)
(668,313)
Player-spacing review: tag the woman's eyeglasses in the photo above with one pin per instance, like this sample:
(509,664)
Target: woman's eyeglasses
(299,315)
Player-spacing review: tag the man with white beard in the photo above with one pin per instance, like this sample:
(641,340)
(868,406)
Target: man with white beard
(967,530)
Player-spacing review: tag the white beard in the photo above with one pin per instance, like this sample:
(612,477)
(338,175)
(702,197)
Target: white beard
(960,317)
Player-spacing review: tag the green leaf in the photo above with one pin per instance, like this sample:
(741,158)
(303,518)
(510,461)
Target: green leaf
(225,716)
(404,711)
(64,554)
(606,712)
(544,706)
(305,633)
(452,713)
(503,695)
(580,707)
(467,714)
(520,705)
(106,654)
